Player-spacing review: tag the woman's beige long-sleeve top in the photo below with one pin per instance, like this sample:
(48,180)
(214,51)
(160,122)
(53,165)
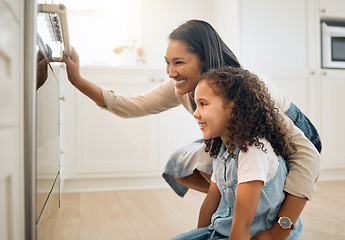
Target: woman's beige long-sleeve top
(303,166)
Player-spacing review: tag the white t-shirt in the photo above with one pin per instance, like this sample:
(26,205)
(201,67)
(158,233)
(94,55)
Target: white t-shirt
(256,164)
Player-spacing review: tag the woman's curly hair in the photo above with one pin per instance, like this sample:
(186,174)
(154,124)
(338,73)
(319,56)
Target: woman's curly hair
(253,116)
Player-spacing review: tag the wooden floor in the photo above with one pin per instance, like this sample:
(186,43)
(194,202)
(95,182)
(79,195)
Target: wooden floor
(160,214)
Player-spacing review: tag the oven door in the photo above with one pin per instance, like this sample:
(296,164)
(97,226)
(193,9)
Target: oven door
(52,41)
(333,46)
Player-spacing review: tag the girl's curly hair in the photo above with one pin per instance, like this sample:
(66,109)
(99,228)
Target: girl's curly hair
(253,116)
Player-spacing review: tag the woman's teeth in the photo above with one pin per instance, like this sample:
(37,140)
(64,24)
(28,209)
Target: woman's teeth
(180,81)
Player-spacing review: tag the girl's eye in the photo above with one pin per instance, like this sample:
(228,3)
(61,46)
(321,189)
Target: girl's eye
(179,62)
(203,104)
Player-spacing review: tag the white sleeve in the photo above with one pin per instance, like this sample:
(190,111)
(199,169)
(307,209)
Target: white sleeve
(255,164)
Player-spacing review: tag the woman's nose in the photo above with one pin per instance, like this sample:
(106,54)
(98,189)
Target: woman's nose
(172,72)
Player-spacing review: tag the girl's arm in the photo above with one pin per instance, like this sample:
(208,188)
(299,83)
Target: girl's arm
(246,202)
(209,206)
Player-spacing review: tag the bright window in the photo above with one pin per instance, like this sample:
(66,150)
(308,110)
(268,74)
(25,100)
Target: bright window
(97,27)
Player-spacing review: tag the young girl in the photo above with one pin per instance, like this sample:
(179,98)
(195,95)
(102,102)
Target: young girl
(245,134)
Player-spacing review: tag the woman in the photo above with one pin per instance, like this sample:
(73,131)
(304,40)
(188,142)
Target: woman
(194,48)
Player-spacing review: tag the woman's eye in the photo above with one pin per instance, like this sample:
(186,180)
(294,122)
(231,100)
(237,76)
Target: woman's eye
(203,104)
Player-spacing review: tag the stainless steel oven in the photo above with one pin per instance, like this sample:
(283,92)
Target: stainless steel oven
(333,44)
(47,37)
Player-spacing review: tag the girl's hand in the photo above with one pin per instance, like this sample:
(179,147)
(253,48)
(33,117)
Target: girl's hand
(72,64)
(42,71)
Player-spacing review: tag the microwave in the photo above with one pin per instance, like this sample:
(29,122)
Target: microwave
(333,45)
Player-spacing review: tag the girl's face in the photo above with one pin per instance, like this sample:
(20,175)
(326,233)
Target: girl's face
(183,67)
(212,113)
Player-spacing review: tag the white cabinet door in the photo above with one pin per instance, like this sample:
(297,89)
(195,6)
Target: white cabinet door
(332,9)
(108,145)
(11,124)
(276,38)
(9,64)
(273,36)
(332,111)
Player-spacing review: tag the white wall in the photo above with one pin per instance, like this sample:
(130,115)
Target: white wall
(159,18)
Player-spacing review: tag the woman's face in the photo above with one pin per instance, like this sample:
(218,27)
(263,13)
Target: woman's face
(183,66)
(212,113)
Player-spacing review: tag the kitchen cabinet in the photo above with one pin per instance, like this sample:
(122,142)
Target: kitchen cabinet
(276,44)
(332,9)
(272,41)
(282,40)
(12,212)
(332,115)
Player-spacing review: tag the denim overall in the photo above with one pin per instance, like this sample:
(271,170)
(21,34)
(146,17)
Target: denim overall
(272,196)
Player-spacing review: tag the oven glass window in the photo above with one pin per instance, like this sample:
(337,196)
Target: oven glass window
(46,38)
(338,49)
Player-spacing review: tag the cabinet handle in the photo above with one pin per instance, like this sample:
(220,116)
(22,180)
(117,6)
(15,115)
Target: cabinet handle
(62,99)
(324,73)
(323,10)
(312,73)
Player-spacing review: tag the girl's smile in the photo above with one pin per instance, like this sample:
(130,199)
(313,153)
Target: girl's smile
(202,125)
(212,113)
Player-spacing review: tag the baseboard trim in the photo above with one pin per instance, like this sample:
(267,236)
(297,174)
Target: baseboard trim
(114,184)
(156,182)
(332,174)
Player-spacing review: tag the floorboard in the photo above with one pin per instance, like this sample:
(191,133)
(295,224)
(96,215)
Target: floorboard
(160,214)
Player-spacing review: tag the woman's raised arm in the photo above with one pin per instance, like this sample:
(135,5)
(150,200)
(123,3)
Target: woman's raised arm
(88,88)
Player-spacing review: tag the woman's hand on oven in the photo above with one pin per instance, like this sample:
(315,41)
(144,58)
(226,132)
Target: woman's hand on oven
(88,88)
(72,65)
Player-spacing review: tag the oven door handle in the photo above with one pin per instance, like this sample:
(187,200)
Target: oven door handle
(62,32)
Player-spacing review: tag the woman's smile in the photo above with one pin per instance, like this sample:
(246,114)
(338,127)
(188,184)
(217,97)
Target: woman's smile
(179,81)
